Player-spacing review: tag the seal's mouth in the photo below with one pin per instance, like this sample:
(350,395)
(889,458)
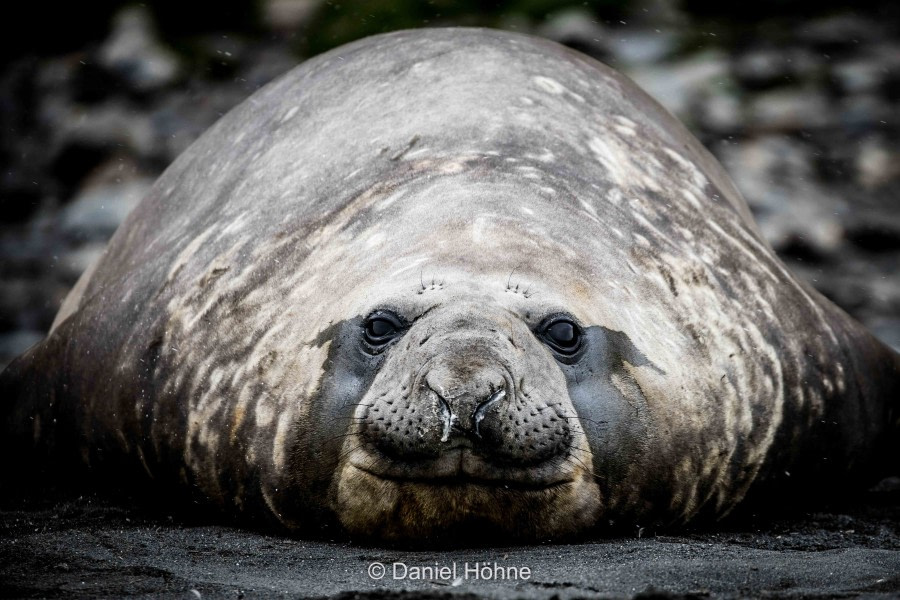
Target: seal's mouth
(461,467)
(465,481)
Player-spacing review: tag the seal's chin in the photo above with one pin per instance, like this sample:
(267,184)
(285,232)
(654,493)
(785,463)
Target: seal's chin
(440,505)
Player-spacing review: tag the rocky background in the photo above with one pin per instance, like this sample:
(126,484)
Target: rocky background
(799,100)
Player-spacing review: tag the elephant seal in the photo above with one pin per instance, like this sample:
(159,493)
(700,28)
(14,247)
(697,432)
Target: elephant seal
(454,282)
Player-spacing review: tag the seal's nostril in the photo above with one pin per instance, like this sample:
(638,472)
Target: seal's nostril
(481,409)
(448,418)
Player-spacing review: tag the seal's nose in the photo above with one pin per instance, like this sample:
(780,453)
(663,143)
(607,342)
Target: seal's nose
(466,393)
(469,423)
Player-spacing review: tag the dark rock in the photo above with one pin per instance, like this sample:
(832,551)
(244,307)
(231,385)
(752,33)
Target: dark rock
(875,234)
(865,113)
(839,33)
(220,55)
(14,343)
(75,160)
(888,331)
(19,198)
(30,304)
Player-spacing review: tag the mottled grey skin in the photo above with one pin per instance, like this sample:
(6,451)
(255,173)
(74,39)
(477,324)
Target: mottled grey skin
(473,182)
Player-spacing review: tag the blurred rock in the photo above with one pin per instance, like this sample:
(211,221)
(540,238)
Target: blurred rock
(264,65)
(888,484)
(717,110)
(866,112)
(75,262)
(775,175)
(14,343)
(16,294)
(220,55)
(883,297)
(676,85)
(874,231)
(859,75)
(887,56)
(182,116)
(839,32)
(792,109)
(578,29)
(30,304)
(77,77)
(98,210)
(876,163)
(288,15)
(20,197)
(106,129)
(761,68)
(866,286)
(133,52)
(633,46)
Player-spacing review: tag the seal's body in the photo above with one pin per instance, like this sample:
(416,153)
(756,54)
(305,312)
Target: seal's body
(444,278)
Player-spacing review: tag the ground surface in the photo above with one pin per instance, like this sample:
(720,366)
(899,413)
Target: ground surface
(90,547)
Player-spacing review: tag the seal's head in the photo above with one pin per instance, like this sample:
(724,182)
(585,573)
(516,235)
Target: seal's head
(468,424)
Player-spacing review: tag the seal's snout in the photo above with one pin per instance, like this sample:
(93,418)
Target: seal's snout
(464,417)
(465,395)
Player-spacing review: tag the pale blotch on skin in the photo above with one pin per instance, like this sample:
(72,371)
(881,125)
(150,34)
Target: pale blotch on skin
(290,113)
(624,168)
(551,86)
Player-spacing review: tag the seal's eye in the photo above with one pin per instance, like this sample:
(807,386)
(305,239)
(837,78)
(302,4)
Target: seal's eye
(381,327)
(562,335)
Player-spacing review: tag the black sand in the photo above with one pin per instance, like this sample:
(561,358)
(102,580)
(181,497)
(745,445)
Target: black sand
(91,547)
